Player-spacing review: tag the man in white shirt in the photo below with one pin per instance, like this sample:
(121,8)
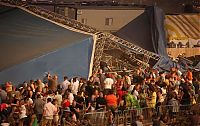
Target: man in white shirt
(58,97)
(48,112)
(108,82)
(64,85)
(75,85)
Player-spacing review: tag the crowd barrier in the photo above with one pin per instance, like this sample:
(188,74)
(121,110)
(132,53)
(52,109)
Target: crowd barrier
(177,115)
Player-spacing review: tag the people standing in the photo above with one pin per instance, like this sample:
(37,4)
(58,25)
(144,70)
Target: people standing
(48,112)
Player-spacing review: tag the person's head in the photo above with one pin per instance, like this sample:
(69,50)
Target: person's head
(32,81)
(21,102)
(69,90)
(65,78)
(137,87)
(96,92)
(55,101)
(173,95)
(38,96)
(111,92)
(140,118)
(96,84)
(48,100)
(108,75)
(74,79)
(25,84)
(50,92)
(79,93)
(29,88)
(39,81)
(101,94)
(59,92)
(55,77)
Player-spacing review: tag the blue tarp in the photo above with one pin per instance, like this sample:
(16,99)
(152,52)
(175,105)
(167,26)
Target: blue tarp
(31,46)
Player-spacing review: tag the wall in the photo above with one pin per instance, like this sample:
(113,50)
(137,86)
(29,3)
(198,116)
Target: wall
(96,18)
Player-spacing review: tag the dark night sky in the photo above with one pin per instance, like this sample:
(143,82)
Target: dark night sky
(169,6)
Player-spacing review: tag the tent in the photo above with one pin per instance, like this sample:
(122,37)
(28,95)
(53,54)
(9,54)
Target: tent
(147,31)
(32,45)
(183,29)
(182,26)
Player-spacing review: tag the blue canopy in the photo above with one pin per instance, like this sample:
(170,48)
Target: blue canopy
(31,46)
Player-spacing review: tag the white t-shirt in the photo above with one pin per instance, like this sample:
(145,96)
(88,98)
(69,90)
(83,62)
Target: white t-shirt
(30,101)
(108,83)
(49,109)
(135,94)
(139,123)
(164,91)
(22,112)
(59,99)
(71,98)
(75,86)
(64,85)
(130,89)
(128,80)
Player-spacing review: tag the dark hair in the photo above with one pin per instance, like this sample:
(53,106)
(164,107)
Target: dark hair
(38,96)
(50,92)
(48,99)
(65,77)
(59,91)
(69,90)
(111,91)
(151,88)
(124,89)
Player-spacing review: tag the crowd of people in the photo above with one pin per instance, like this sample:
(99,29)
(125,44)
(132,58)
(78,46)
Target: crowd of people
(46,101)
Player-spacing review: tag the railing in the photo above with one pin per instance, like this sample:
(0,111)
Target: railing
(177,115)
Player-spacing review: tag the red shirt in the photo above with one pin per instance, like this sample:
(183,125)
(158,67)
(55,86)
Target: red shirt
(120,94)
(3,106)
(66,104)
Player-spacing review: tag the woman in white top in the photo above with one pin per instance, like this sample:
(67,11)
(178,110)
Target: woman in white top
(22,113)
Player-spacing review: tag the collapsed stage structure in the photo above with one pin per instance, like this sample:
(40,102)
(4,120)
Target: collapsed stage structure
(106,47)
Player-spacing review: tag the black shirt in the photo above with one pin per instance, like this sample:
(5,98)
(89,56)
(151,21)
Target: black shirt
(87,101)
(100,101)
(80,100)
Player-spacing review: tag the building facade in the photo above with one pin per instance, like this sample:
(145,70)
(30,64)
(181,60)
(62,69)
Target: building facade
(109,19)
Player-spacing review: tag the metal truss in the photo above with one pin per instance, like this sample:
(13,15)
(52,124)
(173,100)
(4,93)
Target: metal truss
(99,47)
(132,56)
(61,19)
(131,46)
(116,63)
